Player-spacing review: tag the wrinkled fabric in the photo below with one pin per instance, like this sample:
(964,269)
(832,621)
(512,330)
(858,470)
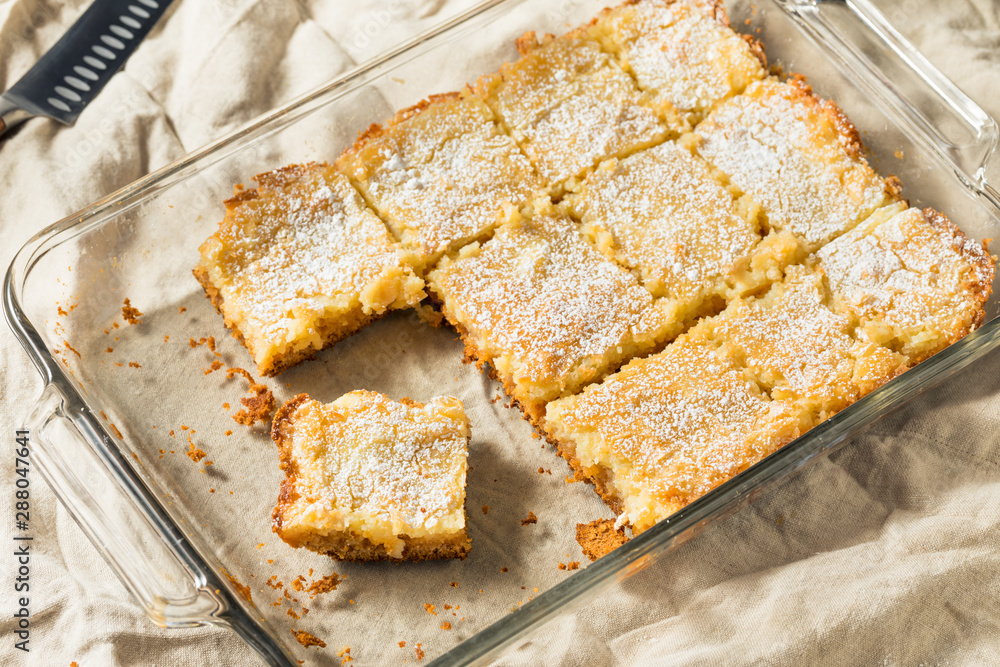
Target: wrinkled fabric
(885,553)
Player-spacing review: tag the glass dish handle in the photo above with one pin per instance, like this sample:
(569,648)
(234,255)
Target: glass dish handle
(147,553)
(80,478)
(891,70)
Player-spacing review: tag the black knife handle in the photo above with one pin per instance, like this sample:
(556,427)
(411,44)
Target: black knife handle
(75,70)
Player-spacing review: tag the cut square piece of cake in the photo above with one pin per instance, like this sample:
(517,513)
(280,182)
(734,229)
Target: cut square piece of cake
(667,429)
(666,216)
(367,478)
(911,279)
(441,174)
(682,52)
(798,156)
(799,349)
(299,263)
(545,310)
(569,106)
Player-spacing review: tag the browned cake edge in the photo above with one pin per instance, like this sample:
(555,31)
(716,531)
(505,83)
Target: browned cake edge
(357,317)
(980,283)
(601,480)
(347,547)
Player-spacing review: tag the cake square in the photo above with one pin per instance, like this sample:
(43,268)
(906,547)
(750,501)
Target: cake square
(798,156)
(368,478)
(569,105)
(300,262)
(665,430)
(911,279)
(545,310)
(799,349)
(665,215)
(682,52)
(441,174)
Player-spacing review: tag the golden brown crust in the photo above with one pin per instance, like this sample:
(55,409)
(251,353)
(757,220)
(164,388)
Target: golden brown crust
(281,435)
(352,548)
(599,538)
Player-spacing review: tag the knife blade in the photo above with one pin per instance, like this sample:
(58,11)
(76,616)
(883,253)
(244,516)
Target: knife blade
(81,63)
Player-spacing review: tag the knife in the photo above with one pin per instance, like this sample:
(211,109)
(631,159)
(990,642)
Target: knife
(74,71)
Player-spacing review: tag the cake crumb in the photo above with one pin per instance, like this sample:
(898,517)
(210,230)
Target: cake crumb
(599,537)
(324,585)
(429,608)
(307,639)
(228,432)
(299,583)
(420,653)
(117,432)
(211,490)
(194,453)
(130,314)
(258,406)
(486,509)
(181,309)
(573,565)
(454,584)
(134,364)
(446,626)
(70,348)
(530,519)
(345,655)
(402,644)
(110,350)
(503,569)
(166,338)
(216,365)
(292,613)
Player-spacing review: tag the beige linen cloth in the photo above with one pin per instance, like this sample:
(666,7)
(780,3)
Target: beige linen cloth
(885,553)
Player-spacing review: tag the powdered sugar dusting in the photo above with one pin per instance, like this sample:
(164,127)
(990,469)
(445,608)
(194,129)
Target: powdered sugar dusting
(907,275)
(306,245)
(791,339)
(669,218)
(777,145)
(443,176)
(685,56)
(569,106)
(381,461)
(539,293)
(673,426)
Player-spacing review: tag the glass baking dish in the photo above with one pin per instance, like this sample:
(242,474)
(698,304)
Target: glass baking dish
(98,430)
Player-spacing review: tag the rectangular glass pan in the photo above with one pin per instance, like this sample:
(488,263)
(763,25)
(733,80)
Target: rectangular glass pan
(185,552)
